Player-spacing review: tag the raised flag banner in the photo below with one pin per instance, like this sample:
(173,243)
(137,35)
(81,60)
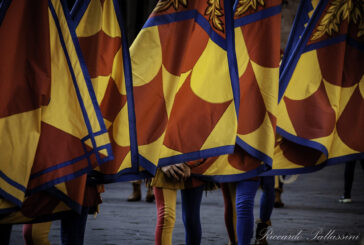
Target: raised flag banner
(183,71)
(257,49)
(51,126)
(321,91)
(102,38)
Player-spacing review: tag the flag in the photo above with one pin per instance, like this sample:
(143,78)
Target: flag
(321,89)
(183,92)
(182,83)
(257,27)
(52,203)
(51,126)
(206,85)
(39,207)
(103,43)
(257,50)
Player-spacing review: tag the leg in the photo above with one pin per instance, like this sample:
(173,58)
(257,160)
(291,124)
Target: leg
(349,178)
(229,194)
(137,194)
(191,202)
(362,164)
(245,193)
(150,195)
(166,215)
(5,232)
(267,198)
(266,208)
(36,234)
(278,188)
(73,227)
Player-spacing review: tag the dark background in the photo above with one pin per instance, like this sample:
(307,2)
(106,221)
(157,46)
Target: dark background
(134,12)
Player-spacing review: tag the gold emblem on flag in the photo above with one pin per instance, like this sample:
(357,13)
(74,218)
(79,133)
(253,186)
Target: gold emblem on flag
(214,12)
(244,5)
(338,12)
(163,5)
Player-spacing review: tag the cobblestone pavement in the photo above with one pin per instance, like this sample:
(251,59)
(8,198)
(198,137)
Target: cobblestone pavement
(311,208)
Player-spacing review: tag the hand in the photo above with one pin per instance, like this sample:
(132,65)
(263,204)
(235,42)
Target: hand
(186,170)
(177,171)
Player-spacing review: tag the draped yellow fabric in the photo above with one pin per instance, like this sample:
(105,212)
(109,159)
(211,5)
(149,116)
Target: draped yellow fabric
(206,85)
(104,48)
(184,99)
(257,45)
(321,88)
(50,123)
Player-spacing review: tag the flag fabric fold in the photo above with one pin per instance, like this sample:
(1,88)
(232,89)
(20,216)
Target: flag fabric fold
(206,85)
(184,99)
(257,51)
(102,39)
(51,126)
(321,89)
(257,40)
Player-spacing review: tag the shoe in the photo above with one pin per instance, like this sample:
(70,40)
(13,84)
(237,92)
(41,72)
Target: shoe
(278,204)
(345,199)
(277,200)
(136,195)
(260,233)
(150,195)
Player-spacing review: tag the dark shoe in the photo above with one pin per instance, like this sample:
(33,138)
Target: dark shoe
(260,233)
(277,200)
(136,195)
(150,195)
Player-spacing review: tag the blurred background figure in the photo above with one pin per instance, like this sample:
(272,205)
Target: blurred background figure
(278,189)
(136,195)
(348,180)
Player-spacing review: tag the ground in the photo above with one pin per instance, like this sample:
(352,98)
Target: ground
(311,207)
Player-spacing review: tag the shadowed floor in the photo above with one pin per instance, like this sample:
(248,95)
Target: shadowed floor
(311,210)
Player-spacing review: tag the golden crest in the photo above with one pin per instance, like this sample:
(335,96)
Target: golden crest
(340,10)
(214,12)
(244,5)
(163,5)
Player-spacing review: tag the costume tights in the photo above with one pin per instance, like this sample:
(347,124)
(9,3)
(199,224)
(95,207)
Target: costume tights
(166,214)
(72,230)
(267,198)
(349,176)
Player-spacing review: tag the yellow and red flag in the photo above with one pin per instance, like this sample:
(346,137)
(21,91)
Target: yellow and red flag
(206,84)
(183,93)
(52,203)
(102,39)
(321,88)
(51,126)
(257,49)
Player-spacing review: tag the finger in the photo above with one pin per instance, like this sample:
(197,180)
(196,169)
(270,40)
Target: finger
(187,175)
(165,169)
(180,166)
(178,170)
(174,174)
(168,174)
(188,172)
